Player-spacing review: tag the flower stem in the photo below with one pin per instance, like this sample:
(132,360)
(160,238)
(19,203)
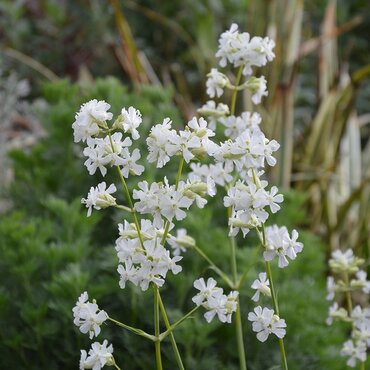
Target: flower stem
(172,337)
(215,268)
(362,365)
(140,332)
(177,323)
(178,176)
(235,92)
(238,321)
(157,343)
(128,196)
(348,294)
(276,309)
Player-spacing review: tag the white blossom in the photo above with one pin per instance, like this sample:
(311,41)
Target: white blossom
(87,120)
(216,83)
(87,316)
(99,197)
(280,244)
(265,322)
(99,355)
(262,285)
(131,120)
(354,352)
(158,143)
(215,301)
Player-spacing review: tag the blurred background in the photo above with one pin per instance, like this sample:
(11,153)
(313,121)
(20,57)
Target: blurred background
(154,55)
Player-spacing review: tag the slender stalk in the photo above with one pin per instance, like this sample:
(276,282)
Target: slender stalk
(124,208)
(276,309)
(348,294)
(178,176)
(238,321)
(157,343)
(172,337)
(362,365)
(128,196)
(234,269)
(177,323)
(140,332)
(235,92)
(215,268)
(116,366)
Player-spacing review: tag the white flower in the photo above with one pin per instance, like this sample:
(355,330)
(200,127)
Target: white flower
(147,262)
(87,316)
(99,197)
(216,83)
(262,285)
(128,162)
(214,301)
(214,112)
(131,120)
(235,126)
(280,244)
(87,120)
(101,152)
(361,282)
(258,88)
(344,261)
(181,242)
(158,144)
(99,356)
(240,50)
(206,290)
(336,312)
(265,322)
(330,286)
(354,352)
(183,144)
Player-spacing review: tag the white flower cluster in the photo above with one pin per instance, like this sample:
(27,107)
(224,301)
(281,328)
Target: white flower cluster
(99,355)
(91,121)
(239,49)
(213,299)
(164,142)
(164,200)
(146,262)
(349,278)
(265,322)
(248,202)
(87,316)
(281,245)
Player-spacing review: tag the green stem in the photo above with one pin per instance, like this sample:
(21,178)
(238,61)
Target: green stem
(140,332)
(348,294)
(215,268)
(276,309)
(238,321)
(124,208)
(128,196)
(115,365)
(362,365)
(235,92)
(177,323)
(157,343)
(172,337)
(178,176)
